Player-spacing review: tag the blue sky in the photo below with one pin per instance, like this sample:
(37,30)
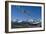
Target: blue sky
(25,12)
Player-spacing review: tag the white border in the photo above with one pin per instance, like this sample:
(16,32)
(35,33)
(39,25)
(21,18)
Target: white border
(25,29)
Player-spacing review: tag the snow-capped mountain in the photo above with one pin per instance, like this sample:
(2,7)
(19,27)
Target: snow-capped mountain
(31,21)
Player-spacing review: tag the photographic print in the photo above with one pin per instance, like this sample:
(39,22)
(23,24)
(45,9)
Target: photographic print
(24,16)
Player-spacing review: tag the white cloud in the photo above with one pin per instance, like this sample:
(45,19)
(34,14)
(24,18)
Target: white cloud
(31,20)
(14,20)
(20,21)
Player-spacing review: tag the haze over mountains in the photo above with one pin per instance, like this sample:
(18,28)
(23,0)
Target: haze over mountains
(26,24)
(30,20)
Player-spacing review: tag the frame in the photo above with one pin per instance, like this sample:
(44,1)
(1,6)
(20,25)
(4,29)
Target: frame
(35,25)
